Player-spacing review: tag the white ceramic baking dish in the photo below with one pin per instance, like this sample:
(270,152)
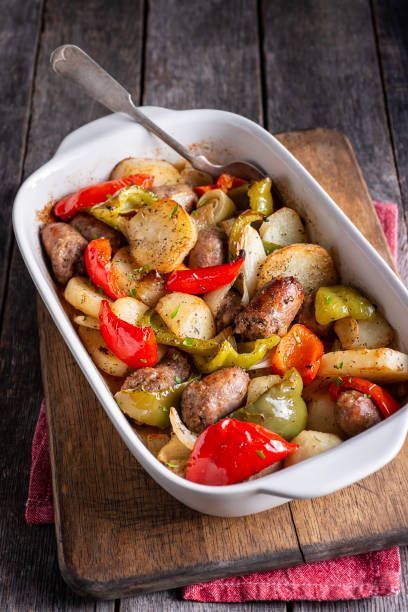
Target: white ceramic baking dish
(88,154)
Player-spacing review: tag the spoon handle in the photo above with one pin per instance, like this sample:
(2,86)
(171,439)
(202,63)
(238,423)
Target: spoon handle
(73,63)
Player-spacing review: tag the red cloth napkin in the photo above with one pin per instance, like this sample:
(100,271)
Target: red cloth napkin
(352,577)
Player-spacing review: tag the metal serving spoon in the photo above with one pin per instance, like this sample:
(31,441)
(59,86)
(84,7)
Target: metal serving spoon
(72,62)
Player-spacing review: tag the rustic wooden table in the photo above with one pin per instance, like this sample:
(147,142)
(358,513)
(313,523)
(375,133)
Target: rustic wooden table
(325,63)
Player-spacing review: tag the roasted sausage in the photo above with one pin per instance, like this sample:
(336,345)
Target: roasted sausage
(65,247)
(173,368)
(210,248)
(181,193)
(355,413)
(306,316)
(92,228)
(228,310)
(216,395)
(271,310)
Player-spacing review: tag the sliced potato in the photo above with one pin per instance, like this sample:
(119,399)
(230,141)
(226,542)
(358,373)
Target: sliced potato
(310,264)
(123,263)
(164,173)
(161,236)
(103,358)
(187,316)
(373,333)
(311,443)
(320,408)
(382,365)
(129,309)
(83,296)
(259,385)
(87,321)
(283,227)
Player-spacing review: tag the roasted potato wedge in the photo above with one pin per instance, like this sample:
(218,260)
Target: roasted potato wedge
(129,309)
(283,227)
(164,173)
(187,316)
(373,333)
(382,365)
(104,359)
(161,236)
(83,296)
(311,443)
(320,408)
(310,264)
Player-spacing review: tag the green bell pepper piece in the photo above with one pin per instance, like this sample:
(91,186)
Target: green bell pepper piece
(280,409)
(227,356)
(151,407)
(244,219)
(337,302)
(239,195)
(122,202)
(260,196)
(270,247)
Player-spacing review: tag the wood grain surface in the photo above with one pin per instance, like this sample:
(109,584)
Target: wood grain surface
(119,533)
(340,64)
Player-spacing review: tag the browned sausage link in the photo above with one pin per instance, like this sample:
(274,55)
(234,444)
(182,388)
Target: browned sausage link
(306,316)
(228,310)
(355,413)
(215,396)
(92,228)
(173,368)
(210,248)
(65,247)
(181,193)
(271,310)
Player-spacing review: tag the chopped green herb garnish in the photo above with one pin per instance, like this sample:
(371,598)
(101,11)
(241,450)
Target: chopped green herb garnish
(95,237)
(188,341)
(337,381)
(298,340)
(202,287)
(203,202)
(173,212)
(195,275)
(143,360)
(108,196)
(85,317)
(143,388)
(328,299)
(171,464)
(138,270)
(176,356)
(370,395)
(194,212)
(177,379)
(260,454)
(164,409)
(101,291)
(133,292)
(147,267)
(174,313)
(339,365)
(349,379)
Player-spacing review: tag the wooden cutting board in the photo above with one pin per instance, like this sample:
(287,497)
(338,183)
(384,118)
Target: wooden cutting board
(119,533)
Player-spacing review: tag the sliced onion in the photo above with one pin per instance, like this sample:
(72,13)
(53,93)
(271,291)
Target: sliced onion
(265,362)
(187,437)
(250,241)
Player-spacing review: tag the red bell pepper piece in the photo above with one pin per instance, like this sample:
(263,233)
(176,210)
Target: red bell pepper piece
(300,349)
(203,280)
(224,182)
(136,346)
(384,400)
(231,451)
(100,268)
(95,194)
